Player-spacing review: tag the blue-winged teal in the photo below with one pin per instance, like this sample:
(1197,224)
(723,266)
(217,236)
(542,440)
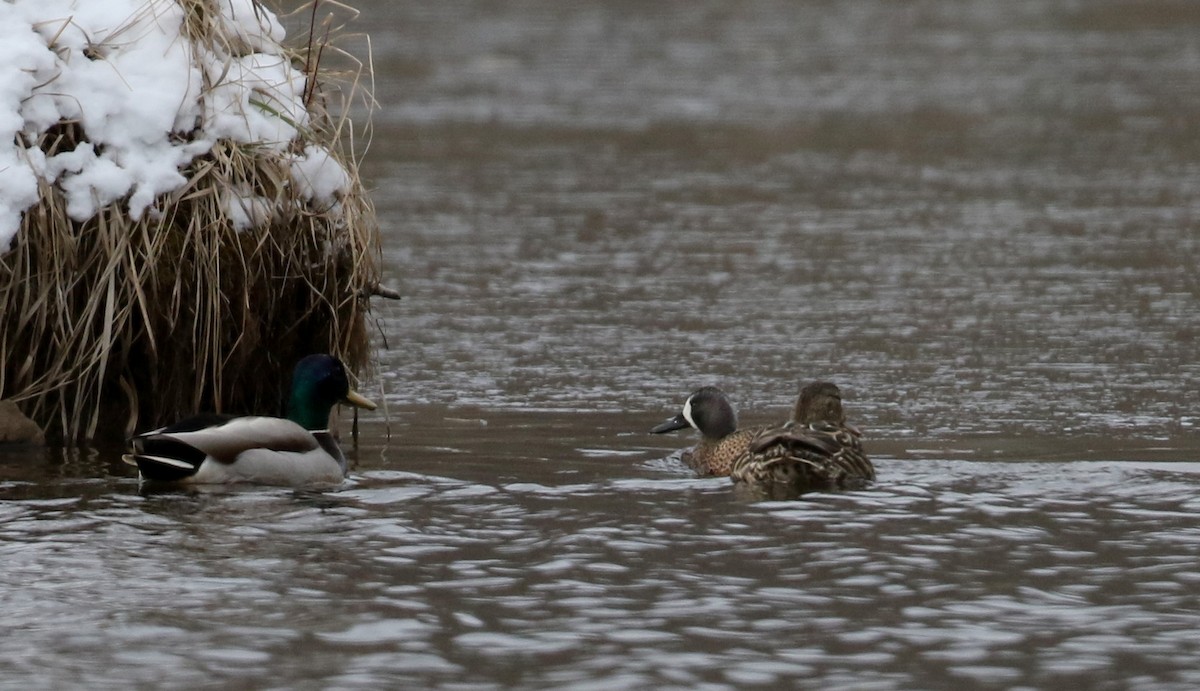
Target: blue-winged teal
(298,450)
(813,451)
(708,411)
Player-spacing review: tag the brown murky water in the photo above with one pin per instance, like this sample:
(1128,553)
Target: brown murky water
(978,218)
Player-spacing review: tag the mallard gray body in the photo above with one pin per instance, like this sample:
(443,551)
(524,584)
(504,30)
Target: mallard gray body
(219,449)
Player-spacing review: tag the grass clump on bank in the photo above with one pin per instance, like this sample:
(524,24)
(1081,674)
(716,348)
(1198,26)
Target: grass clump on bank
(189,244)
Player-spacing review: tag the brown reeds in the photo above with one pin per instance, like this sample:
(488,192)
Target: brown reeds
(113,323)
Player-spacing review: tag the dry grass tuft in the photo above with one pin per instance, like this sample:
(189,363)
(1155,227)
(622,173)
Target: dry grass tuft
(112,323)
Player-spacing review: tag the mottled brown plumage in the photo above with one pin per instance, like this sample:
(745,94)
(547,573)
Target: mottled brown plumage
(718,456)
(816,450)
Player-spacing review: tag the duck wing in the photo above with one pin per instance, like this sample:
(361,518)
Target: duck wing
(849,456)
(176,452)
(162,458)
(227,441)
(797,439)
(806,458)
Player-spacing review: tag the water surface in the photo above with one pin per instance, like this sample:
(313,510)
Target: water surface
(977,218)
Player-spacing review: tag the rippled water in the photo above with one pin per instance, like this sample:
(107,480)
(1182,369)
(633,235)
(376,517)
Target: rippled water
(978,218)
(611,570)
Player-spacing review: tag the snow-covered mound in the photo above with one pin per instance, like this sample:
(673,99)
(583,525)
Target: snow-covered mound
(150,93)
(181,216)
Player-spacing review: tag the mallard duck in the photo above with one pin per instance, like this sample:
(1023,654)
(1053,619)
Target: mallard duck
(813,451)
(815,448)
(221,449)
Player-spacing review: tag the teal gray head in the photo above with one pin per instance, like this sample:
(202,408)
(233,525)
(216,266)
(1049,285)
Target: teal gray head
(708,411)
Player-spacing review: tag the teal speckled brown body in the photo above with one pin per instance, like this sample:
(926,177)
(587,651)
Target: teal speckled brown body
(719,456)
(816,450)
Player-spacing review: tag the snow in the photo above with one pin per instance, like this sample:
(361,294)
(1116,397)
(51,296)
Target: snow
(246,209)
(259,100)
(319,176)
(257,28)
(149,101)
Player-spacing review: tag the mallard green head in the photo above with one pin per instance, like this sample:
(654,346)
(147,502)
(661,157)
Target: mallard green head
(319,382)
